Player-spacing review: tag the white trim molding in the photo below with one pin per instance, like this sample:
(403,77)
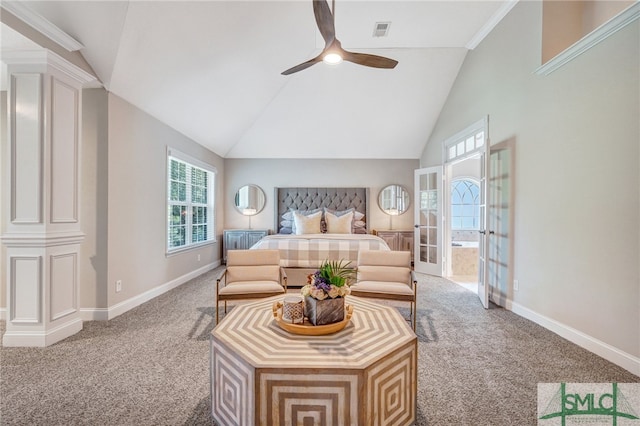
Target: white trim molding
(491,24)
(42,25)
(47,57)
(615,24)
(42,240)
(104,314)
(598,347)
(41,338)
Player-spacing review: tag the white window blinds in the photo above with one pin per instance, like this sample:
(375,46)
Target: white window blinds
(190,202)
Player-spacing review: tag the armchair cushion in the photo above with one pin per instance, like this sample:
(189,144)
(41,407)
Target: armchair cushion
(391,289)
(253,273)
(253,265)
(248,289)
(384,273)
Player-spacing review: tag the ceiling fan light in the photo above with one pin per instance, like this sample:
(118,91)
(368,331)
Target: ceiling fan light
(332,58)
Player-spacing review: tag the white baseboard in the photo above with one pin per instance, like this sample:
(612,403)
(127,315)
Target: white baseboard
(605,350)
(39,338)
(3,314)
(94,314)
(103,314)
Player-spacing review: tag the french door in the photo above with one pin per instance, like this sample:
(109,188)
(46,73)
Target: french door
(484,232)
(500,214)
(470,142)
(495,245)
(428,221)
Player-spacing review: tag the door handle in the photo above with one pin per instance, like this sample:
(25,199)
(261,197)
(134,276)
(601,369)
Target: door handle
(491,232)
(482,232)
(416,226)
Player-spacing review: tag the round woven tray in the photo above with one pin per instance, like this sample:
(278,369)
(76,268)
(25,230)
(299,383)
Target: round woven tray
(307,328)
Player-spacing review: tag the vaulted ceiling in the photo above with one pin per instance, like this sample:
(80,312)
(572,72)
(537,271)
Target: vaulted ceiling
(212,69)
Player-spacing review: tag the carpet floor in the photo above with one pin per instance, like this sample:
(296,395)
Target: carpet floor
(150,366)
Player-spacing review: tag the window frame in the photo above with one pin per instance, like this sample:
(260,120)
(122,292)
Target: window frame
(212,172)
(476,216)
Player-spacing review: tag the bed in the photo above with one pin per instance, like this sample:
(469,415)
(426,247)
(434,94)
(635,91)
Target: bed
(301,255)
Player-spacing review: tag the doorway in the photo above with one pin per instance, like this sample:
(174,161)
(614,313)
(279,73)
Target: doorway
(478,216)
(463,207)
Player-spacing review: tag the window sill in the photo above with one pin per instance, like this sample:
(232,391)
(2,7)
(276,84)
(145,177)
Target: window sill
(190,248)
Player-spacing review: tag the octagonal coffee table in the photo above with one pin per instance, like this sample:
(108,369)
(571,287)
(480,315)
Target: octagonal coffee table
(365,374)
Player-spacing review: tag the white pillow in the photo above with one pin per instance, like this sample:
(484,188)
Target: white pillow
(309,224)
(288,216)
(338,224)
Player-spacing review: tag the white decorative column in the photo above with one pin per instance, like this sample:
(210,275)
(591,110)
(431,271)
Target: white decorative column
(41,229)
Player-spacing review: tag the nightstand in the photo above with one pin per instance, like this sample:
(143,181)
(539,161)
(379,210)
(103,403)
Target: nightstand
(241,239)
(397,240)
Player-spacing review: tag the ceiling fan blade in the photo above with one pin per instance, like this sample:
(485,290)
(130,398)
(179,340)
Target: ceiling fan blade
(369,60)
(326,24)
(302,66)
(324,19)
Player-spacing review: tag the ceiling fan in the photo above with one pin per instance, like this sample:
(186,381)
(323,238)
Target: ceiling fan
(333,52)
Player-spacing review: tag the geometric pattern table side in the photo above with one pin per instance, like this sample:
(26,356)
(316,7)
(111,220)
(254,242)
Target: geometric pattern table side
(392,388)
(329,397)
(235,381)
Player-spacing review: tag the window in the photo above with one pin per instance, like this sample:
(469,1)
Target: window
(464,147)
(465,211)
(190,195)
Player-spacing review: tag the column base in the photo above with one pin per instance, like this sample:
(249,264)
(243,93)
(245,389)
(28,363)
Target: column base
(41,338)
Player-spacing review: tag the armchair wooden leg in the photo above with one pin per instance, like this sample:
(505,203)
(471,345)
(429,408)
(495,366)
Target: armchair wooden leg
(414,314)
(225,307)
(217,309)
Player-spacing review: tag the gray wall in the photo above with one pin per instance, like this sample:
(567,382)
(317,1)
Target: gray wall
(4,174)
(269,174)
(136,210)
(577,207)
(123,172)
(93,199)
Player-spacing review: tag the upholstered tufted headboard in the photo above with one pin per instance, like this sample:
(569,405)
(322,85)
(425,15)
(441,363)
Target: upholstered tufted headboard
(313,198)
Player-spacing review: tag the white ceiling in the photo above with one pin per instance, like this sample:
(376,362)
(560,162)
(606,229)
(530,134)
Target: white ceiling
(211,69)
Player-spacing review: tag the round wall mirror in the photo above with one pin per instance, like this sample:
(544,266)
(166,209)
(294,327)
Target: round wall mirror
(394,200)
(250,200)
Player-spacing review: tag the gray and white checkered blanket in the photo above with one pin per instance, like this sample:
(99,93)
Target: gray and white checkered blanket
(309,251)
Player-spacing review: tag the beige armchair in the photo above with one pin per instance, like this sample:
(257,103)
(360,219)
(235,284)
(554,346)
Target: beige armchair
(250,274)
(386,275)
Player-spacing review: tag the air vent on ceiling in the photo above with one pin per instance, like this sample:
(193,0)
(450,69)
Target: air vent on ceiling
(381,29)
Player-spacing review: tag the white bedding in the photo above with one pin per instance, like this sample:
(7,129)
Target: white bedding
(310,250)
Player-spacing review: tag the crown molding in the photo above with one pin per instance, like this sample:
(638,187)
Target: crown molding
(42,25)
(491,24)
(47,57)
(615,24)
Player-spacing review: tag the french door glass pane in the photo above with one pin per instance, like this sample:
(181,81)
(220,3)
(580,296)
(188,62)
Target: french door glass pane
(433,254)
